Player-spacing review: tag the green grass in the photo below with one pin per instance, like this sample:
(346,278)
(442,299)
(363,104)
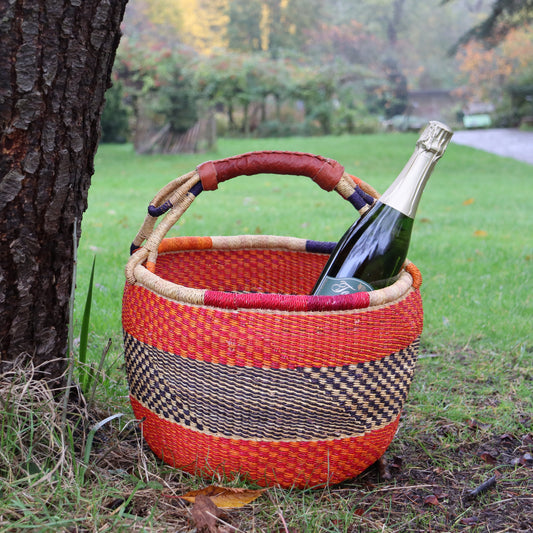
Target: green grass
(471,395)
(472,236)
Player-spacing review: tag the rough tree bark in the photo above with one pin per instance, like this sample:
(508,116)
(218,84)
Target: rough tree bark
(55,63)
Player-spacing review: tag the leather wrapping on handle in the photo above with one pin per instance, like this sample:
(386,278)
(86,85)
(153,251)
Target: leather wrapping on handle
(325,172)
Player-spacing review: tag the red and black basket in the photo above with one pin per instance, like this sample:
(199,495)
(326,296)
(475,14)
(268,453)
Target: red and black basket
(235,369)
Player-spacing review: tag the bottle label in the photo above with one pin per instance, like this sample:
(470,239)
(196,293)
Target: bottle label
(336,286)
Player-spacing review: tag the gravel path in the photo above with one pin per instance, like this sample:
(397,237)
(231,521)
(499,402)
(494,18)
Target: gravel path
(505,142)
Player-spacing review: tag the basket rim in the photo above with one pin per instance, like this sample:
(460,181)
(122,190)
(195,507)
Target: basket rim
(139,271)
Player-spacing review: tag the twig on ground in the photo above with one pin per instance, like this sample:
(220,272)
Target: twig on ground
(482,488)
(282,518)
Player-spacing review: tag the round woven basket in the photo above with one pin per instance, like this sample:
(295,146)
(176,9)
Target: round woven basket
(234,369)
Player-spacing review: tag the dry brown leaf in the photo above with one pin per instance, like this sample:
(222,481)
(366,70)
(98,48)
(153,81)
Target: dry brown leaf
(431,500)
(469,201)
(470,521)
(224,497)
(205,515)
(488,458)
(480,233)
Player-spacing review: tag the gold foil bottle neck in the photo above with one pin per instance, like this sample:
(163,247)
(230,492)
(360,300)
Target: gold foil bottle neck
(406,190)
(435,138)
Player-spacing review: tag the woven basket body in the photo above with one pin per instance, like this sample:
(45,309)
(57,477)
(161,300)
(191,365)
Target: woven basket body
(235,370)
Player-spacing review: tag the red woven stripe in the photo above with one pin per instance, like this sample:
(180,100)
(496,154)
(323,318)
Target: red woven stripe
(264,271)
(285,302)
(270,339)
(287,464)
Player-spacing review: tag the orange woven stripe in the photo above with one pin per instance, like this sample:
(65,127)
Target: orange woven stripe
(287,464)
(173,244)
(150,266)
(415,274)
(272,340)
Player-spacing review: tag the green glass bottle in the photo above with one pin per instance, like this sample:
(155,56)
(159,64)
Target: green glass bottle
(372,252)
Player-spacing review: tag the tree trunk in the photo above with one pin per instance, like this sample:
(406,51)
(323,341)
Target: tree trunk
(56,58)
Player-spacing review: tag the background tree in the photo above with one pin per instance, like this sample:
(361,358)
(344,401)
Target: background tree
(505,15)
(55,58)
(501,74)
(115,116)
(376,53)
(244,26)
(494,58)
(289,24)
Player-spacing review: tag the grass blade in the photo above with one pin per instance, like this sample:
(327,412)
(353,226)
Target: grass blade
(89,442)
(84,333)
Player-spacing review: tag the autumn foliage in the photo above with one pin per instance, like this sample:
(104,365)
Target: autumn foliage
(285,67)
(487,70)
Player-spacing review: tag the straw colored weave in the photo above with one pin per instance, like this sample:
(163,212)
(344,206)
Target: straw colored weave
(235,369)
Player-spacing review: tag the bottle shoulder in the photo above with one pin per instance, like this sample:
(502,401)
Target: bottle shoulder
(378,214)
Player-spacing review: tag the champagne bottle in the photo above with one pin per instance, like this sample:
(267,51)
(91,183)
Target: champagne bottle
(372,252)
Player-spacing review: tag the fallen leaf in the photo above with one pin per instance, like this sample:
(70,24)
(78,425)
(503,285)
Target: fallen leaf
(431,500)
(470,521)
(469,201)
(205,515)
(488,458)
(224,497)
(480,233)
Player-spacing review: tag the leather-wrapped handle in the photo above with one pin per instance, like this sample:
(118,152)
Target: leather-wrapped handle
(325,172)
(175,198)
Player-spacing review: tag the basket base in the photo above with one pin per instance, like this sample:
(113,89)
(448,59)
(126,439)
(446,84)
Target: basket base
(299,464)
